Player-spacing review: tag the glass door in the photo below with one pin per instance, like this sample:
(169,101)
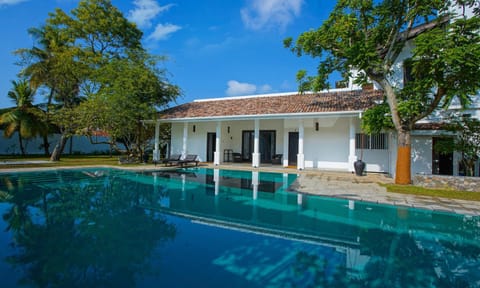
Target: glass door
(267,145)
(211,143)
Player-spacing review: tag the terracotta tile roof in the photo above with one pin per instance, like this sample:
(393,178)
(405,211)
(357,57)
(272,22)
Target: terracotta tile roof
(344,101)
(430,126)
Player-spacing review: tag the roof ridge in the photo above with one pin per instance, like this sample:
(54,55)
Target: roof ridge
(280,94)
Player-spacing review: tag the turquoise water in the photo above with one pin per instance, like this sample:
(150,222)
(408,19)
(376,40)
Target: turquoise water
(219,228)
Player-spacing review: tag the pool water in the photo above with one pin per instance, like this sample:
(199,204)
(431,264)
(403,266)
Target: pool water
(201,227)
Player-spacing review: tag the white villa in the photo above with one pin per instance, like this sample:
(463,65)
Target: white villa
(313,130)
(319,131)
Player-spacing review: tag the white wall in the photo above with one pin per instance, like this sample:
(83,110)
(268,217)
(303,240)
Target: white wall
(459,10)
(421,155)
(197,141)
(327,148)
(77,144)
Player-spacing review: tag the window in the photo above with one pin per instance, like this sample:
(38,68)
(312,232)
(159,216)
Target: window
(407,71)
(372,142)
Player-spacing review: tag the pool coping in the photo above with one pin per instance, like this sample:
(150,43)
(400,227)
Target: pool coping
(337,184)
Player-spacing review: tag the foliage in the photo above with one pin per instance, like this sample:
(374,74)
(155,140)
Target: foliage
(24,118)
(94,54)
(130,91)
(368,37)
(374,120)
(466,140)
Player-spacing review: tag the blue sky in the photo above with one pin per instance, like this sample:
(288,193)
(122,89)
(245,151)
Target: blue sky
(215,48)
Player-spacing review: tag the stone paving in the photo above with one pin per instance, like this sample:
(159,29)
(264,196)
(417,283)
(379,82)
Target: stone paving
(344,185)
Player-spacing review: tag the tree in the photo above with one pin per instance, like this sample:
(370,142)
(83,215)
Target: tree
(130,90)
(369,36)
(466,140)
(25,119)
(76,46)
(40,65)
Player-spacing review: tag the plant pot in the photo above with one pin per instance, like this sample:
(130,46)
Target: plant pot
(359,166)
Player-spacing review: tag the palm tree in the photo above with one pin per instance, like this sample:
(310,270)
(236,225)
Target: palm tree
(24,118)
(39,62)
(52,65)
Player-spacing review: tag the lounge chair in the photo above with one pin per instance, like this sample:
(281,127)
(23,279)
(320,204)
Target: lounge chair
(190,158)
(173,159)
(237,157)
(277,159)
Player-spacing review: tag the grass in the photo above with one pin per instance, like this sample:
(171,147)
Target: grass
(65,160)
(443,193)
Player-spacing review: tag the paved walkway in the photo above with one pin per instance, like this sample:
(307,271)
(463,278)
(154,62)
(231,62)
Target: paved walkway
(349,186)
(341,185)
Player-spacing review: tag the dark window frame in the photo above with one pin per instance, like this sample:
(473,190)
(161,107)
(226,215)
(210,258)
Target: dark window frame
(371,142)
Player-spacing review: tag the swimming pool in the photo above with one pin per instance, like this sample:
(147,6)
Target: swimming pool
(216,228)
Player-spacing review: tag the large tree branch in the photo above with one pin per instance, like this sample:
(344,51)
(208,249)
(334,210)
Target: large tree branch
(392,102)
(432,106)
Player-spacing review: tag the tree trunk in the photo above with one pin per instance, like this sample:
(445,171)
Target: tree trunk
(404,149)
(402,175)
(58,150)
(20,142)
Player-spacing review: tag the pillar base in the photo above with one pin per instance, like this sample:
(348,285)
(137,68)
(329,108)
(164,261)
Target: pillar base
(255,160)
(300,161)
(216,158)
(156,155)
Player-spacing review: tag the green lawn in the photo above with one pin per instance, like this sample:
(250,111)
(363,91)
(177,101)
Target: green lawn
(444,193)
(65,160)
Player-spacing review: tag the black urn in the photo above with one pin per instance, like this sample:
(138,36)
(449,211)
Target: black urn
(359,166)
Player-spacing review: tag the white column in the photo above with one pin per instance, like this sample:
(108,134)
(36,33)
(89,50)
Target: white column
(352,157)
(216,179)
(299,199)
(351,204)
(156,150)
(285,147)
(456,159)
(255,183)
(300,155)
(256,145)
(218,136)
(185,139)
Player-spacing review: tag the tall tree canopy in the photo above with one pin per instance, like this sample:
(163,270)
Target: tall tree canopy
(93,56)
(369,37)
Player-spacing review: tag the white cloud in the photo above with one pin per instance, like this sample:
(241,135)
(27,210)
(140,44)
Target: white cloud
(265,88)
(10,2)
(145,11)
(236,88)
(162,31)
(261,14)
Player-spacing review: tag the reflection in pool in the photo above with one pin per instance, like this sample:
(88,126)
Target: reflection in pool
(209,227)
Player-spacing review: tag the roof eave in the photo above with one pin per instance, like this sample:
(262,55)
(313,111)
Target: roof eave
(265,116)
